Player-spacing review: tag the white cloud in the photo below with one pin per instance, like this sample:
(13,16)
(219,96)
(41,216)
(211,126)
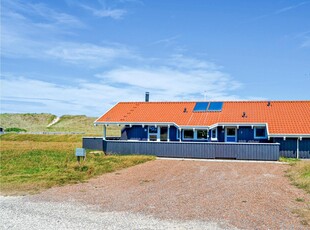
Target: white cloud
(88,54)
(165,83)
(41,11)
(291,7)
(27,30)
(20,94)
(105,12)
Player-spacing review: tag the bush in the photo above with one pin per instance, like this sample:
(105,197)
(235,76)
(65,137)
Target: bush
(17,130)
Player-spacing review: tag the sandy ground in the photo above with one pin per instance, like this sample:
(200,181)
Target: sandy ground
(245,195)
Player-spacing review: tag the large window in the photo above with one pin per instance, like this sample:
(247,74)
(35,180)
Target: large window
(260,133)
(202,134)
(188,134)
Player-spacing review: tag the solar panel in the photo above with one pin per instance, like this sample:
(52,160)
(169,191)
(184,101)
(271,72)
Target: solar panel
(201,106)
(215,106)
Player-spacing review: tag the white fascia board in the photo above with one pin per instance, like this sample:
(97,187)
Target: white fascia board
(136,123)
(194,127)
(96,121)
(238,124)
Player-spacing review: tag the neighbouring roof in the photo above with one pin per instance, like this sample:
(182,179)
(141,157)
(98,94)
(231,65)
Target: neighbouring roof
(281,117)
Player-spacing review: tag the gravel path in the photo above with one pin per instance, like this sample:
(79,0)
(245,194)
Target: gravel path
(169,194)
(20,213)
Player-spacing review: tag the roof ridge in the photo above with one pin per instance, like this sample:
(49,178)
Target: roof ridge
(241,101)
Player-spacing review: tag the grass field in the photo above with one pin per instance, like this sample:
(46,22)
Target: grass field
(30,163)
(299,174)
(34,122)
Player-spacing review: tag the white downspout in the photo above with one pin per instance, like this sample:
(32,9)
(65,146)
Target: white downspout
(168,133)
(180,136)
(104,132)
(297,148)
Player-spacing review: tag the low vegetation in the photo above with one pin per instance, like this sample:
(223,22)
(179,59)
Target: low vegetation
(299,174)
(16,130)
(30,163)
(34,122)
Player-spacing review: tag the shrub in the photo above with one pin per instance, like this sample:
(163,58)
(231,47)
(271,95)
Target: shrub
(13,129)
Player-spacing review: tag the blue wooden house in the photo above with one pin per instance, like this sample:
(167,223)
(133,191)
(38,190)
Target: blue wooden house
(284,124)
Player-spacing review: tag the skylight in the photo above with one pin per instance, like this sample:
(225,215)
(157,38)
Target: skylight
(215,106)
(201,106)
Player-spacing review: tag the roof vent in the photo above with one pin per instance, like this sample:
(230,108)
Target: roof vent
(268,103)
(147,96)
(185,110)
(244,115)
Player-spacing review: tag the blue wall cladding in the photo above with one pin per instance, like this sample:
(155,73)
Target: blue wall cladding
(288,147)
(173,133)
(304,148)
(134,133)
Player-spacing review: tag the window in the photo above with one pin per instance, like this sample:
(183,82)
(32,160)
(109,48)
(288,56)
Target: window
(214,134)
(152,129)
(153,133)
(188,134)
(260,133)
(231,132)
(202,134)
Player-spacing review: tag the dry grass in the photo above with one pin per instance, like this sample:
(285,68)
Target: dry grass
(299,173)
(32,165)
(33,122)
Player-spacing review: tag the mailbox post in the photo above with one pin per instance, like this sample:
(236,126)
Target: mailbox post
(80,152)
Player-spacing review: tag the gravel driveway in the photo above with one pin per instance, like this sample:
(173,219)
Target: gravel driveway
(170,194)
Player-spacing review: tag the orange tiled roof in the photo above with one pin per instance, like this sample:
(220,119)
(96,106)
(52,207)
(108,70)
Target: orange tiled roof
(282,117)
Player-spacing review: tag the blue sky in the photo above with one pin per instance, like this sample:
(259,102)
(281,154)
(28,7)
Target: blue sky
(82,57)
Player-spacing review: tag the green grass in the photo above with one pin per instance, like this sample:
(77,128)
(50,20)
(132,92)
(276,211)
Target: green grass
(41,138)
(37,162)
(299,174)
(289,160)
(33,122)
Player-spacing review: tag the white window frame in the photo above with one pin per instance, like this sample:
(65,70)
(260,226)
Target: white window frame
(157,134)
(260,127)
(195,134)
(235,136)
(214,138)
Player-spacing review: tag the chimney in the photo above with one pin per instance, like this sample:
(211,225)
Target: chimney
(147,96)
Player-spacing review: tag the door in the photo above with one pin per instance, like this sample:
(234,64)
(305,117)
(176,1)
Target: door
(153,133)
(230,134)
